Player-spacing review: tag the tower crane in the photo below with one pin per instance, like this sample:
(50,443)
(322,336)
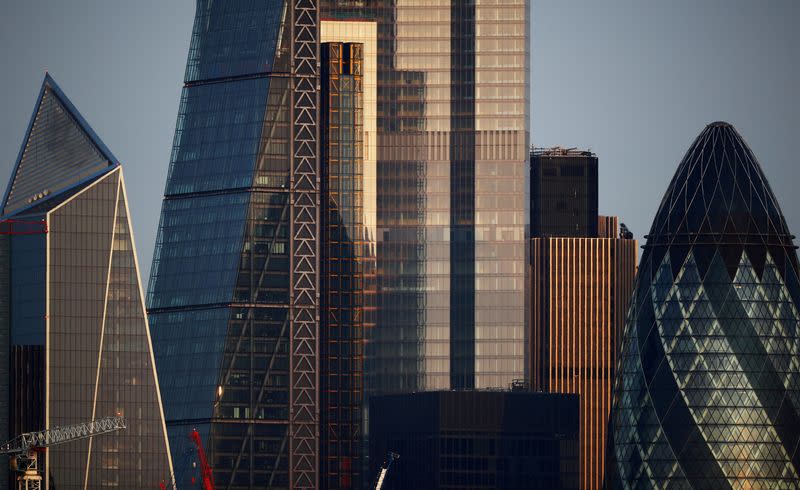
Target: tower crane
(205,469)
(24,449)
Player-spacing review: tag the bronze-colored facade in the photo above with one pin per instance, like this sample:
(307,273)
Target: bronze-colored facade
(347,291)
(607,227)
(579,293)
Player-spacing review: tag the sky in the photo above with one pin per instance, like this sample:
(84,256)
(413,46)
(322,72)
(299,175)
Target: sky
(635,81)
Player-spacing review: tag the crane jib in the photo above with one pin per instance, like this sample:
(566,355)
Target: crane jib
(62,435)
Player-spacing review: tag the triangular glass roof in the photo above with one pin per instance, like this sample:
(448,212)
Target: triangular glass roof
(60,151)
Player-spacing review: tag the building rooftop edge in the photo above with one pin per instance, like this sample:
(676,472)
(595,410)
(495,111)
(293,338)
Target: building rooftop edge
(558,151)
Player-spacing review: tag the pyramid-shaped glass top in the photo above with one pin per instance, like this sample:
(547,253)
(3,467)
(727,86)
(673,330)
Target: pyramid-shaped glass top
(60,151)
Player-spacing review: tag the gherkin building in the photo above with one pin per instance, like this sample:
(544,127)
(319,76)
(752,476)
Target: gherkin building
(708,383)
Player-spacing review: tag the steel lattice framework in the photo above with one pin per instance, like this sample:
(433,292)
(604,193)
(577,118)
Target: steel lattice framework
(304,348)
(61,435)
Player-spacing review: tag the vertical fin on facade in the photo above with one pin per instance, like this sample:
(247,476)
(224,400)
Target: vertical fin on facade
(59,151)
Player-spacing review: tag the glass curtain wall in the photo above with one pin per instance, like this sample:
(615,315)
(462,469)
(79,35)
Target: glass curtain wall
(232,282)
(707,392)
(79,342)
(451,172)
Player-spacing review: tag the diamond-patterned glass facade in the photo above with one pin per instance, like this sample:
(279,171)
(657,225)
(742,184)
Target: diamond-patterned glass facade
(708,384)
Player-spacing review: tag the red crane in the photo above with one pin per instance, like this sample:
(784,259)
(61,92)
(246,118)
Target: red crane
(205,468)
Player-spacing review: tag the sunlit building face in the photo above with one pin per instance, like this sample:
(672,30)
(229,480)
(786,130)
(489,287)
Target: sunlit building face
(451,151)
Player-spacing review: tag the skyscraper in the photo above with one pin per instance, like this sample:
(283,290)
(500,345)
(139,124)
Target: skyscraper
(580,288)
(233,294)
(563,193)
(73,311)
(582,268)
(347,266)
(348,121)
(236,269)
(708,388)
(452,139)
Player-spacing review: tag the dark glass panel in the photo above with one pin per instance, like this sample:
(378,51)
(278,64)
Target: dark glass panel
(233,38)
(217,136)
(188,352)
(197,250)
(27,289)
(57,154)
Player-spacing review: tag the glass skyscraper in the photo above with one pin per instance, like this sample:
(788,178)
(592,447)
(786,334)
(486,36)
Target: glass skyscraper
(234,283)
(241,261)
(581,273)
(707,393)
(72,314)
(452,146)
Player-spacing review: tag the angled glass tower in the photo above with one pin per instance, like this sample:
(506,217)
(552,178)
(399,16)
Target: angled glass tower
(234,286)
(707,393)
(73,310)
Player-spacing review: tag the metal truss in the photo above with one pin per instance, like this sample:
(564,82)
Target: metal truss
(304,339)
(59,435)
